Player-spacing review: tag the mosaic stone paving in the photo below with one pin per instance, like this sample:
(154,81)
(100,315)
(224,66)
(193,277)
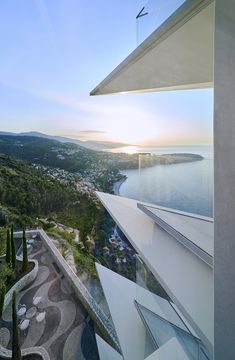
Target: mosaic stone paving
(66,332)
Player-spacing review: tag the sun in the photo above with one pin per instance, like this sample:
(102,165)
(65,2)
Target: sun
(130,149)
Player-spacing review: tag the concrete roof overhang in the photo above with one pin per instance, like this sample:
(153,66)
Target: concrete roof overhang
(177,55)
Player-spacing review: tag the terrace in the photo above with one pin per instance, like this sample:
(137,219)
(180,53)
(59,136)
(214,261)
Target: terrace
(65,330)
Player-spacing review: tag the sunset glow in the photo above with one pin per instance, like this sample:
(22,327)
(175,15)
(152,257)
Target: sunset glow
(45,87)
(128,149)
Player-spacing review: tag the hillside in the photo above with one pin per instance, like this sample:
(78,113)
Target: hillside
(101,168)
(27,193)
(94,145)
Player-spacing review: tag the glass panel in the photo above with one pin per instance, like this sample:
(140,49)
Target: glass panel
(161,317)
(152,15)
(151,294)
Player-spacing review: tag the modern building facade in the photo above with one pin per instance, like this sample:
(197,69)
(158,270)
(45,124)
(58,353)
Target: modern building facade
(191,257)
(166,241)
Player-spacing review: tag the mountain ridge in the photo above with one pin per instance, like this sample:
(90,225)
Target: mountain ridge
(89,144)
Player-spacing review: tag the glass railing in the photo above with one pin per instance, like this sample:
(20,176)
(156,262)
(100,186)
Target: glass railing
(152,15)
(162,319)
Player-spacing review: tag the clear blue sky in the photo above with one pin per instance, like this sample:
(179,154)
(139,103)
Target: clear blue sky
(53,53)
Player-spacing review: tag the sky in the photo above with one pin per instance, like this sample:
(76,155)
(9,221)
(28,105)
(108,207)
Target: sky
(53,53)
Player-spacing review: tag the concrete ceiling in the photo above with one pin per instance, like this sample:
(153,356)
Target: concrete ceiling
(178,55)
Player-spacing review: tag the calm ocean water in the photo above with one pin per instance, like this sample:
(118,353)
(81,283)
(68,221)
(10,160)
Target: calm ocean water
(187,187)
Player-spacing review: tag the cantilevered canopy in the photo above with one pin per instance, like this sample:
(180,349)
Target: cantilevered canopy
(177,55)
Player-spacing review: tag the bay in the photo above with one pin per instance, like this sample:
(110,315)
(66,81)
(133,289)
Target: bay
(187,186)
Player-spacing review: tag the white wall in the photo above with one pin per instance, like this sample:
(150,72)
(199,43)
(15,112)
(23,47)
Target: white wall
(224,209)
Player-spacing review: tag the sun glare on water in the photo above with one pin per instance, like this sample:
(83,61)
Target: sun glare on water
(130,149)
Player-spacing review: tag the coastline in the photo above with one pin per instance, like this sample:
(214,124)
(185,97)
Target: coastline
(165,159)
(117,185)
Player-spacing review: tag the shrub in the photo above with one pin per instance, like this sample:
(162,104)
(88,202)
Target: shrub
(5,274)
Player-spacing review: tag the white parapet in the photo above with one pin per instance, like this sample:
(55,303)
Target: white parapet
(120,294)
(187,279)
(166,351)
(106,352)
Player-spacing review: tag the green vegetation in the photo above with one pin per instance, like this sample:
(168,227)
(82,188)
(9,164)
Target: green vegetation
(13,249)
(84,259)
(5,276)
(75,158)
(82,217)
(16,352)
(8,248)
(37,195)
(27,193)
(10,274)
(2,241)
(60,234)
(67,156)
(49,183)
(2,297)
(58,180)
(104,228)
(25,253)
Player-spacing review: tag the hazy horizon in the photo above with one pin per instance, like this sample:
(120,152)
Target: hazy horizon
(56,52)
(71,137)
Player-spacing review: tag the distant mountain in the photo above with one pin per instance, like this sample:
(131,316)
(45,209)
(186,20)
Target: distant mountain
(93,145)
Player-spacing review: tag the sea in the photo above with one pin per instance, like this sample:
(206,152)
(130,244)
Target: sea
(187,186)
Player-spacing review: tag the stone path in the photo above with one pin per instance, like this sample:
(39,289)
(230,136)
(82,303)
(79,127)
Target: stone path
(61,333)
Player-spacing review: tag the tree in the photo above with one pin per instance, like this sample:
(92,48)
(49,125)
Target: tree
(8,247)
(5,275)
(16,352)
(3,218)
(13,249)
(2,297)
(101,238)
(25,253)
